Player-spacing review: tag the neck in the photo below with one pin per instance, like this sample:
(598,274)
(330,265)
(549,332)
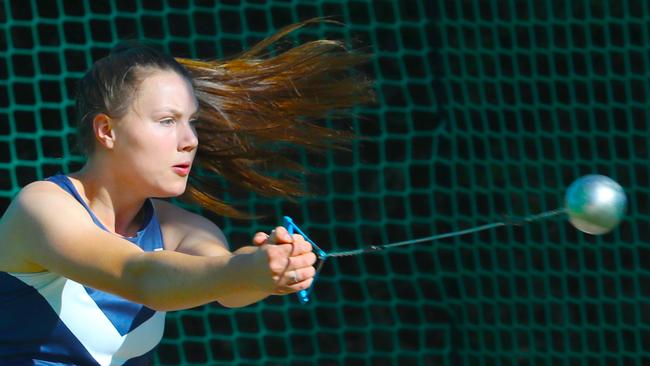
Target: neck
(115,203)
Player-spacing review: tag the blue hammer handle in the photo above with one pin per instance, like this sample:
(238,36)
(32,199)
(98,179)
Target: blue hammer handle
(303,295)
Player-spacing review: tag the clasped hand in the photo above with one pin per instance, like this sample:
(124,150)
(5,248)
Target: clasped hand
(289,259)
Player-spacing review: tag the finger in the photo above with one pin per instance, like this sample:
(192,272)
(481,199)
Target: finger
(298,275)
(285,250)
(279,257)
(285,269)
(301,246)
(301,261)
(303,274)
(260,238)
(290,289)
(280,235)
(294,277)
(290,278)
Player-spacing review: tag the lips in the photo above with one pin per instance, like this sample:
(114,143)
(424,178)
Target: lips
(182,169)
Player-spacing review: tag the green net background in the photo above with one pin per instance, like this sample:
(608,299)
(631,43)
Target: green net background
(485,108)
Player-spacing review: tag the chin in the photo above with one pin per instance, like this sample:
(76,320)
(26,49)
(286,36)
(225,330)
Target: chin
(172,190)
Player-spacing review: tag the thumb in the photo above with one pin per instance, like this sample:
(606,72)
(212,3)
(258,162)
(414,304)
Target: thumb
(260,238)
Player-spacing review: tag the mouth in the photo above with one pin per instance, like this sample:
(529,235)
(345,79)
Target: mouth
(182,169)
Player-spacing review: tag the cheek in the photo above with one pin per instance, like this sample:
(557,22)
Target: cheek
(146,161)
(147,145)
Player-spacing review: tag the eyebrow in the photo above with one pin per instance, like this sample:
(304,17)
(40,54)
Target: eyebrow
(176,112)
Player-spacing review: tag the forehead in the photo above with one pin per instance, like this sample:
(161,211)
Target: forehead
(165,89)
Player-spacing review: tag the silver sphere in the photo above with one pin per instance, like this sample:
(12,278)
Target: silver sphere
(595,204)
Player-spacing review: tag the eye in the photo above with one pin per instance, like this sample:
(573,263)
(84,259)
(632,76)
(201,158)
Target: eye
(194,121)
(168,121)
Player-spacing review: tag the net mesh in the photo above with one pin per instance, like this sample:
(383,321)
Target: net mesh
(485,108)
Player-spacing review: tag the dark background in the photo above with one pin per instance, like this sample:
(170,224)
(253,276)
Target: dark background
(484,109)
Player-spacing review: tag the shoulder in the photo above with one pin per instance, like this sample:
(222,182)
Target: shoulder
(180,225)
(170,214)
(40,190)
(35,211)
(42,200)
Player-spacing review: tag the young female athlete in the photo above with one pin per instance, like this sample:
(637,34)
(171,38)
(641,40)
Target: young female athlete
(91,261)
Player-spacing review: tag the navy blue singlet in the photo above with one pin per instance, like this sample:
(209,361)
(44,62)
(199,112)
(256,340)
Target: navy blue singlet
(47,319)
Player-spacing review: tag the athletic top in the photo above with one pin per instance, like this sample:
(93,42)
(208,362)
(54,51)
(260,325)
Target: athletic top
(47,319)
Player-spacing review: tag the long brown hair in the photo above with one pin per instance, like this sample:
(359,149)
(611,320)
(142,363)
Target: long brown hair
(254,105)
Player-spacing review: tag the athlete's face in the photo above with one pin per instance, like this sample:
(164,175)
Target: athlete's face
(155,142)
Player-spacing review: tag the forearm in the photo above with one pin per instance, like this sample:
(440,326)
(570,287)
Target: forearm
(168,280)
(245,296)
(242,298)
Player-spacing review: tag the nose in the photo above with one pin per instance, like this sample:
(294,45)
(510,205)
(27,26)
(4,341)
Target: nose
(188,139)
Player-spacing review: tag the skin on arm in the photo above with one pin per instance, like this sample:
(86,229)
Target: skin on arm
(38,237)
(189,233)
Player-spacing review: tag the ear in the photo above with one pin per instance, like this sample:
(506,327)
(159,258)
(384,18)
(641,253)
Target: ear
(104,133)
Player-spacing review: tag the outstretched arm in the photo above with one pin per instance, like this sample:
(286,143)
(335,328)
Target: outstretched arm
(189,233)
(73,246)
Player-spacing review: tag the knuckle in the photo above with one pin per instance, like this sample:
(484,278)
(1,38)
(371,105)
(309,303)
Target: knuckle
(311,272)
(270,250)
(309,258)
(287,249)
(279,261)
(300,245)
(276,270)
(275,261)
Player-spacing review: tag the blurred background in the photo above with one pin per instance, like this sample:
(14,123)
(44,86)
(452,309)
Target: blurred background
(485,108)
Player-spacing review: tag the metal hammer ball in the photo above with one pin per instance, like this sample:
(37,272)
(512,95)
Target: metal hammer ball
(595,204)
